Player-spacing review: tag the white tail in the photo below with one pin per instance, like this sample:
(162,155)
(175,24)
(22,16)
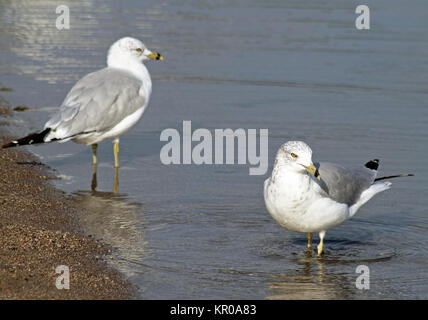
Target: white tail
(366,195)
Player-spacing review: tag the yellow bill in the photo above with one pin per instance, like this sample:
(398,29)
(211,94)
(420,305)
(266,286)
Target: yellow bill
(155,56)
(313,171)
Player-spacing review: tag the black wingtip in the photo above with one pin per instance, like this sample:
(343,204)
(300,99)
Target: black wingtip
(373,164)
(10,144)
(33,138)
(396,176)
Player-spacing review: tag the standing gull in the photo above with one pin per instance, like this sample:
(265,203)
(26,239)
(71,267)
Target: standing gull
(103,104)
(306,197)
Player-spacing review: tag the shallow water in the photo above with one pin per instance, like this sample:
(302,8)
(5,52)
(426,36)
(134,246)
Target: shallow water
(299,69)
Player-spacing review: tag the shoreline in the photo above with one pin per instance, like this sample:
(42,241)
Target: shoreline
(39,231)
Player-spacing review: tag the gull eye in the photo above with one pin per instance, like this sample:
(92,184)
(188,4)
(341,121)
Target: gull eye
(294,155)
(139,50)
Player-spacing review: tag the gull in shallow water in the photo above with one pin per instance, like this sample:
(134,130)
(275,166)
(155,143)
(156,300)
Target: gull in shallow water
(306,197)
(103,104)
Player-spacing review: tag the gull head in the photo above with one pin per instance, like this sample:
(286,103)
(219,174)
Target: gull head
(129,50)
(296,156)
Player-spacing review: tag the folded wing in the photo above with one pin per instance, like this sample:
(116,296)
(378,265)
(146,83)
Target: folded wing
(345,185)
(97,103)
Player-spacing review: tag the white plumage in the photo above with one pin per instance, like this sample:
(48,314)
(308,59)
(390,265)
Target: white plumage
(306,197)
(107,103)
(104,104)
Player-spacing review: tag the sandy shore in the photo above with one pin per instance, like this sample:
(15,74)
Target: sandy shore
(39,232)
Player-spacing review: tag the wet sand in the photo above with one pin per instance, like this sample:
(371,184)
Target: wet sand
(39,232)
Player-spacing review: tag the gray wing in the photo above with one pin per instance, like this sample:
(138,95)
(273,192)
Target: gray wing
(344,185)
(97,102)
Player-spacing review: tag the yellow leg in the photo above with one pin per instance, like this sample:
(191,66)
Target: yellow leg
(94,153)
(94,179)
(309,240)
(116,153)
(94,172)
(116,179)
(321,244)
(320,248)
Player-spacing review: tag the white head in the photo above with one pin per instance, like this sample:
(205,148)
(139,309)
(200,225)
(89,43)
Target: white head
(128,51)
(297,156)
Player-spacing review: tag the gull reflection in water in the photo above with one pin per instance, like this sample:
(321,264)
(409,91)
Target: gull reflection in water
(94,182)
(118,221)
(309,283)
